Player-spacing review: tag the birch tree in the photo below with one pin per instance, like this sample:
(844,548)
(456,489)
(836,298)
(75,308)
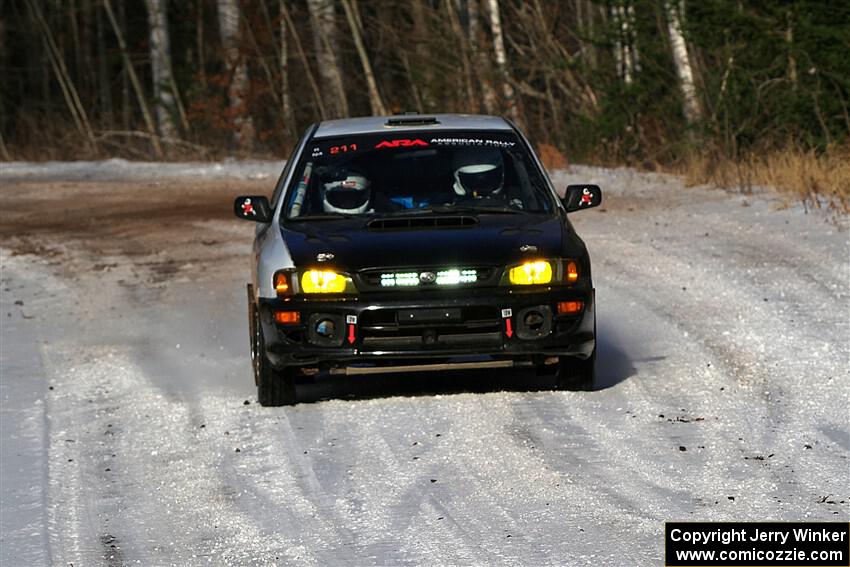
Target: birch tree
(323,24)
(160,50)
(684,72)
(229,17)
(625,44)
(502,61)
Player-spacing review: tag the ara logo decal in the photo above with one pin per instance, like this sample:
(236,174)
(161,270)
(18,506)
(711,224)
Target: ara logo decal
(401,143)
(248,208)
(586,198)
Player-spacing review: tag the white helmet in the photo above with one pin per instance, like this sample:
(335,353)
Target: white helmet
(348,194)
(479,172)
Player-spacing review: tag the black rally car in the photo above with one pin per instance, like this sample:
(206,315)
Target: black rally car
(415,243)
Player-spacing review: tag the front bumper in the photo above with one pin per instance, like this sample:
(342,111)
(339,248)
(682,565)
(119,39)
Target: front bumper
(404,328)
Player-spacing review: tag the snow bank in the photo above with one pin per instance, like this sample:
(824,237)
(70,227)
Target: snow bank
(122,170)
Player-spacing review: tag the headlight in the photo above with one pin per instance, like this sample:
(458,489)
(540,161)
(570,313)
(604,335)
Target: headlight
(325,281)
(531,273)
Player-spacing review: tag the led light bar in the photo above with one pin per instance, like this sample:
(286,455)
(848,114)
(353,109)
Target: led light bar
(400,279)
(454,277)
(443,277)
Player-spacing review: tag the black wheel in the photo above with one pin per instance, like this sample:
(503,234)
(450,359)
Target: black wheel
(274,387)
(576,374)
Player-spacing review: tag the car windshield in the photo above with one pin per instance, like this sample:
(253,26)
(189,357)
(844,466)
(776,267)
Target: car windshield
(409,173)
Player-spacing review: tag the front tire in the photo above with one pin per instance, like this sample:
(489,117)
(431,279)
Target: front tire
(575,374)
(274,387)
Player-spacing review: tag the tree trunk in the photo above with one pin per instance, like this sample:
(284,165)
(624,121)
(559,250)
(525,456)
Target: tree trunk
(107,116)
(691,104)
(72,99)
(286,102)
(229,17)
(375,102)
(323,23)
(423,72)
(789,40)
(625,47)
(134,80)
(482,62)
(632,38)
(502,63)
(472,103)
(317,95)
(199,42)
(160,49)
(126,111)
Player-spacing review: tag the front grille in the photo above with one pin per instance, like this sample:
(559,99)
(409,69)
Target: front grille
(430,278)
(445,341)
(395,329)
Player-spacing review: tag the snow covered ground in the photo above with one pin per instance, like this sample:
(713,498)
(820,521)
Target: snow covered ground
(131,436)
(118,169)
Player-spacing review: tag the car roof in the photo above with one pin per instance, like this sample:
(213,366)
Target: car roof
(410,122)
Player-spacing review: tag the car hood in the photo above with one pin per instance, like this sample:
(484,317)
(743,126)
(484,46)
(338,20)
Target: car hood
(492,240)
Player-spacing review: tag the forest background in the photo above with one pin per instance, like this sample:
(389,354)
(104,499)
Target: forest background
(733,92)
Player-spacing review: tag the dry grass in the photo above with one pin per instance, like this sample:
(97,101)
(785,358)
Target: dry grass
(551,157)
(818,179)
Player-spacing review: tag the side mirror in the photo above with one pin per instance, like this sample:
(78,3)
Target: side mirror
(253,208)
(580,197)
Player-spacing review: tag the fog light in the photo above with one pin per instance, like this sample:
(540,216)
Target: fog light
(570,307)
(326,328)
(534,320)
(287,317)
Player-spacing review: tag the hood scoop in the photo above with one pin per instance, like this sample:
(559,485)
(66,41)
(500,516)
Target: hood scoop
(421,223)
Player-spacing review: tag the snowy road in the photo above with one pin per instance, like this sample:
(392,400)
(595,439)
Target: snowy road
(130,432)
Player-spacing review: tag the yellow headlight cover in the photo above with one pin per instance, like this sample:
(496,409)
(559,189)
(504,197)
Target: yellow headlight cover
(323,281)
(531,273)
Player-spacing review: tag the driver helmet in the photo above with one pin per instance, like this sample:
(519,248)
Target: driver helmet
(479,172)
(347,193)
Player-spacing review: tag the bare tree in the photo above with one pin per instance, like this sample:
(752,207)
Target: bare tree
(464,54)
(482,61)
(421,31)
(286,102)
(160,49)
(691,105)
(502,61)
(103,73)
(625,44)
(375,102)
(134,79)
(229,17)
(323,23)
(789,41)
(314,86)
(69,90)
